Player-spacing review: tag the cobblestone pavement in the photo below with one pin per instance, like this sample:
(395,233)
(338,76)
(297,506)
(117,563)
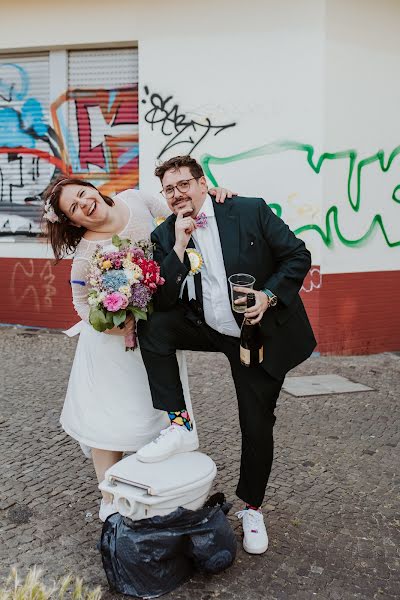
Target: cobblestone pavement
(331,507)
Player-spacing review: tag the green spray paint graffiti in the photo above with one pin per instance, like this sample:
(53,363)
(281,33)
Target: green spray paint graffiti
(355,170)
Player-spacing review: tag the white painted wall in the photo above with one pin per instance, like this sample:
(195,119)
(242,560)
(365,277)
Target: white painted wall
(362,100)
(270,87)
(297,79)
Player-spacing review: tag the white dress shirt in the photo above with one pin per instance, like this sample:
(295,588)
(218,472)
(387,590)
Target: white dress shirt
(216,301)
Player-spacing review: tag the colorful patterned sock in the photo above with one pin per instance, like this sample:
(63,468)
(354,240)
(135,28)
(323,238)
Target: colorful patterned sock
(250,507)
(181,418)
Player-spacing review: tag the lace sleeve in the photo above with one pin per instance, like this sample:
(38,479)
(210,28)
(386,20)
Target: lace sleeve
(157,206)
(79,285)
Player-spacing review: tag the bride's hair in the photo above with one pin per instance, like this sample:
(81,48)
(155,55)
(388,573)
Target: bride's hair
(60,232)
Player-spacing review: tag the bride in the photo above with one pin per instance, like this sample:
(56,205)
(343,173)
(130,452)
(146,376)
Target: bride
(108,407)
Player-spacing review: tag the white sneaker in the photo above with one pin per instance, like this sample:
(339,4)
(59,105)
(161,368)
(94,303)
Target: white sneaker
(255,537)
(106,509)
(173,440)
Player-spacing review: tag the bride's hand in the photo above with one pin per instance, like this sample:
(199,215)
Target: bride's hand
(126,328)
(221,194)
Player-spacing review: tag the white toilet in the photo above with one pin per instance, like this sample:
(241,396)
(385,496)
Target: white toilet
(143,490)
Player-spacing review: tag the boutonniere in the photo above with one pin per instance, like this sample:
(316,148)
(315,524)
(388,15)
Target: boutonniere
(196,261)
(158,220)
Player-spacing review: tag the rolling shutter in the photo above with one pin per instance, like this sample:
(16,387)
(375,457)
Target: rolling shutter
(25,143)
(103,117)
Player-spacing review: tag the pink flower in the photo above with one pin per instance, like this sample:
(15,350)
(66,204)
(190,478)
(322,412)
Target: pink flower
(115,301)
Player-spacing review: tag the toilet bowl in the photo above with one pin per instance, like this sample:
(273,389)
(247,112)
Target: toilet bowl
(144,490)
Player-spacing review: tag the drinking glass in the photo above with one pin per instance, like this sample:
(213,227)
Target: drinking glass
(240,280)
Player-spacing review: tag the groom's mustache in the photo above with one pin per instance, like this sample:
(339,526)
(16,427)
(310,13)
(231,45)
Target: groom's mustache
(182,199)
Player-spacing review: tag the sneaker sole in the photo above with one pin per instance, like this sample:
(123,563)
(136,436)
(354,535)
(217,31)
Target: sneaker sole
(155,459)
(255,550)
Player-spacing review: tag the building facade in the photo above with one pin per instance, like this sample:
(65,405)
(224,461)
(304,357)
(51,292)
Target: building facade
(292,101)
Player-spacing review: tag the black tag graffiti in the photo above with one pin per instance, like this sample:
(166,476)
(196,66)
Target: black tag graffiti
(175,124)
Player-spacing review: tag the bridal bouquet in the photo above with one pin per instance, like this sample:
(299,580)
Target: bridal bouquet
(123,278)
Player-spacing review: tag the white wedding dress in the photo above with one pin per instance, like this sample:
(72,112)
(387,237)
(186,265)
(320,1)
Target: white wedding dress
(108,403)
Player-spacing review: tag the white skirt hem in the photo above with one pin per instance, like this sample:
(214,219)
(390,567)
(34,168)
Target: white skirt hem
(101,446)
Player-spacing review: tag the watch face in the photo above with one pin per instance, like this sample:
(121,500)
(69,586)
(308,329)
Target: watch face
(273,300)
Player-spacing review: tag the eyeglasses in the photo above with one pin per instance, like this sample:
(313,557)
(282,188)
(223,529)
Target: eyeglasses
(182,187)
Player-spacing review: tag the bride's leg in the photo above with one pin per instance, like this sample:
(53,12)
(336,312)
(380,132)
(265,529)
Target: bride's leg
(103,460)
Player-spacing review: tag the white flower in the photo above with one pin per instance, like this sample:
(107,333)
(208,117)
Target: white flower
(126,290)
(93,300)
(133,273)
(50,215)
(127,262)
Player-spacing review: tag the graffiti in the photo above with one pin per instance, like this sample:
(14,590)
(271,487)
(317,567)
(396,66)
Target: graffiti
(93,134)
(29,153)
(37,289)
(14,82)
(313,280)
(355,168)
(176,125)
(101,141)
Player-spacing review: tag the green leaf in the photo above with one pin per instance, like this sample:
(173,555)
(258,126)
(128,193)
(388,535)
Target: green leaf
(138,313)
(150,308)
(116,241)
(109,319)
(125,242)
(119,317)
(97,319)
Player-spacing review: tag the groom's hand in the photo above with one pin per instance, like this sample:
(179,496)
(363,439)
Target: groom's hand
(184,227)
(256,312)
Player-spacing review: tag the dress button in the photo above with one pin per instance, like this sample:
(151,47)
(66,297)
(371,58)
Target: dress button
(179,279)
(199,321)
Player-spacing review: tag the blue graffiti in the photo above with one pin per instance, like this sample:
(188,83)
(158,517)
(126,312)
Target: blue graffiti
(12,134)
(24,126)
(33,117)
(14,82)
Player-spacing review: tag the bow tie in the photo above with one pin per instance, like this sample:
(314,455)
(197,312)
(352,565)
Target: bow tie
(201,220)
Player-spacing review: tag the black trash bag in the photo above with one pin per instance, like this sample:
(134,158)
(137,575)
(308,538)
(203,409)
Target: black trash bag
(151,557)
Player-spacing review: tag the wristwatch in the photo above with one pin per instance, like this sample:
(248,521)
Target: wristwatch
(272,299)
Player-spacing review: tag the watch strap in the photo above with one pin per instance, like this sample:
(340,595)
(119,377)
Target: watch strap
(271,296)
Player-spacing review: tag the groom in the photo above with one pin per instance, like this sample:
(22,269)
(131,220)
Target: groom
(193,312)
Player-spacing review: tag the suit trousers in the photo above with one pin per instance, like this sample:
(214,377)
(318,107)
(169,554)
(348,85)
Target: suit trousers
(257,392)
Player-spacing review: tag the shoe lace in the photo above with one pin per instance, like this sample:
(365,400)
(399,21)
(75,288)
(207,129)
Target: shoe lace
(164,432)
(252,517)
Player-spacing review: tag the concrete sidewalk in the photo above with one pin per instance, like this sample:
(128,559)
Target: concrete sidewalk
(332,507)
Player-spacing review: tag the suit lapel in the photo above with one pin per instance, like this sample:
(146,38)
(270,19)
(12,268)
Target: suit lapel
(228,227)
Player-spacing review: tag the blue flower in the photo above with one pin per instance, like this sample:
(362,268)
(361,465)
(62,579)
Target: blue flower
(113,280)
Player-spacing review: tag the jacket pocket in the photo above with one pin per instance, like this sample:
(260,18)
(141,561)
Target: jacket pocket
(283,314)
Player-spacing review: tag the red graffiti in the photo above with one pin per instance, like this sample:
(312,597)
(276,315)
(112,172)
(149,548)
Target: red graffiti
(105,137)
(36,287)
(313,280)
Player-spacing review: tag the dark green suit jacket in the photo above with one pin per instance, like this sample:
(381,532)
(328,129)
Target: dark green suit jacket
(255,241)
